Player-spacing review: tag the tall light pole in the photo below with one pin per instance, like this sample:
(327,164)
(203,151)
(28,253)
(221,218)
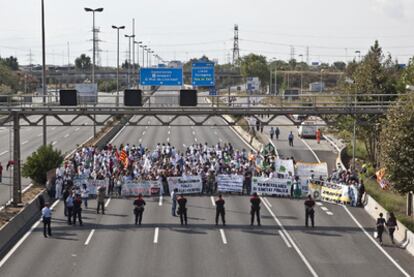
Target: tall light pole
(359,55)
(148,51)
(117,62)
(301,74)
(44,90)
(93,11)
(321,81)
(138,43)
(143,54)
(130,38)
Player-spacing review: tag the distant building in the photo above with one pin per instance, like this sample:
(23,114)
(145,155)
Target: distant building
(175,64)
(316,86)
(253,84)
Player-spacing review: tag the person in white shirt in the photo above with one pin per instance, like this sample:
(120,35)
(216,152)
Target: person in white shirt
(58,187)
(85,195)
(47,218)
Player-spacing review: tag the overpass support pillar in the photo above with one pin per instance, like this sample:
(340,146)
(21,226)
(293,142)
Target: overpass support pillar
(17,184)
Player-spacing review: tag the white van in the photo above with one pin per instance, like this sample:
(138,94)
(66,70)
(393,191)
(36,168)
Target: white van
(307,130)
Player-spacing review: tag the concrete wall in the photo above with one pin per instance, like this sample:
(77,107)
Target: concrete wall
(11,232)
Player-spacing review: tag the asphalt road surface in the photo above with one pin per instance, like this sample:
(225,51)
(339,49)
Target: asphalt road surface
(111,245)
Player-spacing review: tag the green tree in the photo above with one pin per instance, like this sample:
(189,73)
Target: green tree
(254,65)
(8,78)
(83,62)
(376,74)
(397,144)
(407,77)
(40,162)
(11,62)
(340,66)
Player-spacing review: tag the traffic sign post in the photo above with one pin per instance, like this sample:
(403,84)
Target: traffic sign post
(161,76)
(202,74)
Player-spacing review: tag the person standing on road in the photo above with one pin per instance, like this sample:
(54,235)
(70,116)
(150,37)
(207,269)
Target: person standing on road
(392,225)
(139,204)
(58,187)
(290,138)
(255,209)
(380,227)
(361,191)
(309,211)
(77,209)
(318,135)
(69,207)
(85,195)
(257,125)
(220,210)
(174,202)
(182,209)
(277,132)
(101,200)
(65,197)
(46,218)
(272,132)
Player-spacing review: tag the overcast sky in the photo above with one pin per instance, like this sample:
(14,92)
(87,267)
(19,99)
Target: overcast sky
(182,29)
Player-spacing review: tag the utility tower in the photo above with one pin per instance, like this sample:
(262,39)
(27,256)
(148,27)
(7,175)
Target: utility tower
(236,50)
(98,50)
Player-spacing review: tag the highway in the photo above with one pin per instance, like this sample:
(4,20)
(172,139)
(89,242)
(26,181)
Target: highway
(111,245)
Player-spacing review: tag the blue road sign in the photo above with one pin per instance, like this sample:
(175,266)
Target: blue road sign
(202,74)
(212,91)
(161,76)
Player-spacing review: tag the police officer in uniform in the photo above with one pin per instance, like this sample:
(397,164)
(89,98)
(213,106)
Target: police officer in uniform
(255,209)
(139,204)
(182,209)
(309,211)
(220,210)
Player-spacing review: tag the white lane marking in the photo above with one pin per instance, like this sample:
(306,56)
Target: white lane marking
(267,202)
(156,232)
(285,239)
(107,202)
(4,152)
(65,136)
(143,133)
(24,142)
(195,139)
(310,149)
(39,135)
(212,201)
(54,142)
(168,139)
(160,201)
(324,208)
(77,129)
(329,213)
(88,239)
(215,132)
(223,236)
(220,140)
(140,140)
(20,242)
(146,127)
(169,132)
(301,255)
(193,133)
(375,242)
(319,203)
(169,127)
(53,128)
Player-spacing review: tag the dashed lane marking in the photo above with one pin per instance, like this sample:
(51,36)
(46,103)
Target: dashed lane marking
(24,142)
(156,233)
(319,203)
(107,202)
(160,201)
(212,201)
(223,236)
(329,213)
(77,129)
(88,239)
(324,208)
(4,152)
(54,142)
(67,135)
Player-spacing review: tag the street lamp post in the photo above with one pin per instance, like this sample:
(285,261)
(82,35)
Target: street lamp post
(130,38)
(301,74)
(148,51)
(93,39)
(321,81)
(143,54)
(44,90)
(117,62)
(93,54)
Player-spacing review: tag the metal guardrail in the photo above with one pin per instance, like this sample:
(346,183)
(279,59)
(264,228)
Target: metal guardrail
(168,103)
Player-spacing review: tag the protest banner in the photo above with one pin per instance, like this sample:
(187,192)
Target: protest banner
(306,170)
(284,168)
(315,190)
(92,184)
(331,193)
(274,186)
(134,188)
(185,184)
(229,183)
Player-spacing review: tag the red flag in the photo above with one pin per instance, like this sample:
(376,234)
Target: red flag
(123,156)
(10,163)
